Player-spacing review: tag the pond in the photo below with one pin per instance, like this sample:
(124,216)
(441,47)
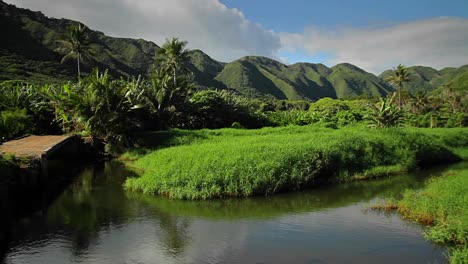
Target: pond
(95,221)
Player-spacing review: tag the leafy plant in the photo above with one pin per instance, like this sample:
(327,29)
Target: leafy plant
(13,123)
(386,114)
(97,106)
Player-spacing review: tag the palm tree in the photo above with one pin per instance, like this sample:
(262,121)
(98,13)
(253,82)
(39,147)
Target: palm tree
(173,56)
(77,45)
(453,99)
(419,102)
(399,77)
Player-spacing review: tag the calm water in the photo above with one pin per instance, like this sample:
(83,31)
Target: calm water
(95,221)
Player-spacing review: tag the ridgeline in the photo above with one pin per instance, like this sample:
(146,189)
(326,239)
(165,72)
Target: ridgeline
(30,51)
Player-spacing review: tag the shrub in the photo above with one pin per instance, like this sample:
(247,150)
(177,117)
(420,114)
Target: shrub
(13,123)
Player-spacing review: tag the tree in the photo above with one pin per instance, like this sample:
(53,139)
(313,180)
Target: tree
(99,107)
(385,114)
(173,56)
(419,102)
(77,45)
(451,97)
(399,76)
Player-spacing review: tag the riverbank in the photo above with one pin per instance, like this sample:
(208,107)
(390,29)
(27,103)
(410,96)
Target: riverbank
(442,205)
(234,162)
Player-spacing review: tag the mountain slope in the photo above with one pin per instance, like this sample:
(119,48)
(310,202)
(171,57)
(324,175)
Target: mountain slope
(427,79)
(246,78)
(205,69)
(259,76)
(32,37)
(29,50)
(351,81)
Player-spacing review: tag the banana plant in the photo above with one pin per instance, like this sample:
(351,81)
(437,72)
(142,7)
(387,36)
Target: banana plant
(386,114)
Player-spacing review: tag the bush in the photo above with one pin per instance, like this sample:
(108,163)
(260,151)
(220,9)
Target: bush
(13,123)
(16,95)
(218,109)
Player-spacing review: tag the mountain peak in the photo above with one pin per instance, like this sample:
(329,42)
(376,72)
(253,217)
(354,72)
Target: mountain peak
(348,66)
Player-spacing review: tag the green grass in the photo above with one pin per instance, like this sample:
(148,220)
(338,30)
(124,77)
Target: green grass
(443,205)
(235,162)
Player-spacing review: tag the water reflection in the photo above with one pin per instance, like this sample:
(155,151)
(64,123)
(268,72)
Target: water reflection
(322,198)
(95,221)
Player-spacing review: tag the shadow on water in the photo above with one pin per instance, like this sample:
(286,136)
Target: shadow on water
(95,205)
(93,202)
(22,202)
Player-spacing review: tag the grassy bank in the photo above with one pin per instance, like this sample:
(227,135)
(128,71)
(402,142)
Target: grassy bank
(232,162)
(442,204)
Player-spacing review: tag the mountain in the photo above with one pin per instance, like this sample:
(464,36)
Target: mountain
(428,79)
(260,76)
(351,81)
(205,69)
(30,51)
(29,48)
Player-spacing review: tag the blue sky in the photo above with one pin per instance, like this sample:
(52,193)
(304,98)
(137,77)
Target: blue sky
(296,15)
(375,35)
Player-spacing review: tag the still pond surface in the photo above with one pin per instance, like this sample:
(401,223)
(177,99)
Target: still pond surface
(95,221)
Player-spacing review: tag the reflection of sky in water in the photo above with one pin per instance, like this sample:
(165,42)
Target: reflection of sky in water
(334,236)
(137,231)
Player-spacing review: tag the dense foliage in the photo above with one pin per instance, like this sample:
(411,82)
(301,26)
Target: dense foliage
(112,109)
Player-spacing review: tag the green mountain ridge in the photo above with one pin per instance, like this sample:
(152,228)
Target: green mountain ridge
(424,78)
(30,51)
(351,81)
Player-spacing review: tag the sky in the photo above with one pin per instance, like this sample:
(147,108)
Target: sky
(375,35)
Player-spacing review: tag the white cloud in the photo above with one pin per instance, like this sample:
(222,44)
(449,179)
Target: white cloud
(209,25)
(438,42)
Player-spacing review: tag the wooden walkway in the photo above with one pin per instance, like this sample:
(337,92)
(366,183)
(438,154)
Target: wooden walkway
(33,146)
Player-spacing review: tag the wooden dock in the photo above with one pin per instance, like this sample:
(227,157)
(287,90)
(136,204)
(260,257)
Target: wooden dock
(39,147)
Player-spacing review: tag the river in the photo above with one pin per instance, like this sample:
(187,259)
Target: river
(95,221)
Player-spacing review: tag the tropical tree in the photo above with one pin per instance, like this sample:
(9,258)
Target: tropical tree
(385,114)
(99,107)
(77,45)
(452,98)
(419,102)
(399,77)
(173,56)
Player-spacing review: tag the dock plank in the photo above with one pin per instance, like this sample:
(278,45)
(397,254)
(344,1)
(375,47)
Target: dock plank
(31,146)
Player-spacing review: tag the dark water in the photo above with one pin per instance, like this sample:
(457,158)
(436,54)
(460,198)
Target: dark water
(95,221)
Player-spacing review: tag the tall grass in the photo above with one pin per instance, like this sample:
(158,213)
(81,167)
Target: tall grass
(442,204)
(233,162)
